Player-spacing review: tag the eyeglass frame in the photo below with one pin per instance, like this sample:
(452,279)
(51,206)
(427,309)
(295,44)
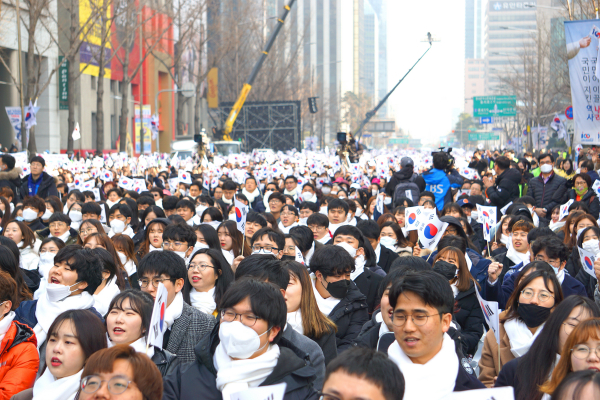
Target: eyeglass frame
(160,280)
(263,248)
(413,319)
(86,379)
(329,396)
(538,295)
(174,244)
(192,267)
(235,317)
(596,350)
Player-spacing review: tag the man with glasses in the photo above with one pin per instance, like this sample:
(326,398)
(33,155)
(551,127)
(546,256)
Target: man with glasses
(423,304)
(246,349)
(186,326)
(276,202)
(319,225)
(180,239)
(543,248)
(548,189)
(306,209)
(59,226)
(268,241)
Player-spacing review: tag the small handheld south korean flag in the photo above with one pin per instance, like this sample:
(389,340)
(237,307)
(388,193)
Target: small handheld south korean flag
(468,173)
(410,217)
(491,314)
(379,203)
(126,183)
(587,261)
(431,230)
(30,119)
(185,177)
(241,211)
(487,226)
(139,185)
(158,325)
(76,132)
(299,256)
(564,209)
(206,182)
(486,212)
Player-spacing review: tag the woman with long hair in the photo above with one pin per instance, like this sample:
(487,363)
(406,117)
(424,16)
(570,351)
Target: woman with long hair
(72,338)
(564,234)
(526,374)
(209,276)
(153,240)
(126,252)
(9,264)
(5,205)
(103,241)
(88,227)
(112,281)
(578,354)
(25,239)
(74,213)
(527,309)
(579,224)
(232,241)
(303,313)
(451,264)
(206,237)
(392,237)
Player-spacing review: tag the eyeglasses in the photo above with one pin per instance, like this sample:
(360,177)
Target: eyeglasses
(582,351)
(116,385)
(155,281)
(56,225)
(325,396)
(451,231)
(543,296)
(417,319)
(288,214)
(171,245)
(228,315)
(266,248)
(317,228)
(200,267)
(551,262)
(89,231)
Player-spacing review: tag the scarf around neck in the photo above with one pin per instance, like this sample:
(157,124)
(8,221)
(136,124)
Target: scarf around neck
(286,229)
(47,387)
(102,300)
(251,195)
(139,346)
(295,320)
(174,310)
(520,336)
(5,323)
(359,267)
(203,301)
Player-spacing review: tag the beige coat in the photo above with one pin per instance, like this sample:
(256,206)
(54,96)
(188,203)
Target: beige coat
(488,364)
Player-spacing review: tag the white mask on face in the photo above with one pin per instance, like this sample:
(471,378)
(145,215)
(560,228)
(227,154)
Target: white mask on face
(122,257)
(238,340)
(474,215)
(593,246)
(47,258)
(200,210)
(307,196)
(359,212)
(374,192)
(29,215)
(182,255)
(117,225)
(231,217)
(389,242)
(182,191)
(200,246)
(323,210)
(58,292)
(387,201)
(326,190)
(546,168)
(75,216)
(47,215)
(351,250)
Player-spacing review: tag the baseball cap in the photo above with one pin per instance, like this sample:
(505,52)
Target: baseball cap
(407,161)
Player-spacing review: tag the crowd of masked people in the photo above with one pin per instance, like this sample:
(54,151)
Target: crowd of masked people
(325,288)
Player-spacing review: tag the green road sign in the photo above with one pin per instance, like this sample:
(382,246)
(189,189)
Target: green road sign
(483,136)
(494,106)
(398,141)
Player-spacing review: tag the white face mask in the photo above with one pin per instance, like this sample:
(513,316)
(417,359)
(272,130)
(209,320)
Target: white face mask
(182,191)
(326,190)
(351,250)
(593,246)
(47,258)
(182,255)
(303,221)
(29,215)
(546,168)
(374,192)
(238,340)
(58,292)
(75,216)
(117,225)
(389,242)
(46,215)
(231,217)
(474,215)
(200,246)
(122,257)
(359,212)
(387,201)
(323,210)
(307,196)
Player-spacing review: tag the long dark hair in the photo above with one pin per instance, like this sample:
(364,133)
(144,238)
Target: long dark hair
(10,265)
(239,247)
(156,210)
(139,302)
(401,240)
(534,367)
(210,235)
(109,265)
(223,271)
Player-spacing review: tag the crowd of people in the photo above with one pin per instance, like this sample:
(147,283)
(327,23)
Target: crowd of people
(317,282)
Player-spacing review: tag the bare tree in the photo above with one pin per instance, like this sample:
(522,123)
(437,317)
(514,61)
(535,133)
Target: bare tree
(354,108)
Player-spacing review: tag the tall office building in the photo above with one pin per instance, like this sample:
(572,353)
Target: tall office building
(474,46)
(380,7)
(370,73)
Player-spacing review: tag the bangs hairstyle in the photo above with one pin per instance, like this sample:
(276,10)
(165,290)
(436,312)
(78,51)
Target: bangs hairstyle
(109,265)
(588,329)
(464,278)
(314,323)
(577,220)
(575,383)
(522,225)
(213,213)
(103,239)
(594,229)
(239,245)
(146,375)
(27,235)
(432,288)
(322,261)
(223,272)
(512,305)
(140,302)
(145,246)
(93,222)
(401,240)
(265,298)
(124,244)
(209,234)
(85,262)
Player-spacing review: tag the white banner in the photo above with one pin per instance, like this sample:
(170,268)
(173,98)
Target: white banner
(582,53)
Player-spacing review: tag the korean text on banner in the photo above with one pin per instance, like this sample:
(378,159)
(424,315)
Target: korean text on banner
(582,39)
(158,326)
(241,211)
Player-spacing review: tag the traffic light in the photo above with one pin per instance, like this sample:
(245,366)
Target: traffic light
(312,105)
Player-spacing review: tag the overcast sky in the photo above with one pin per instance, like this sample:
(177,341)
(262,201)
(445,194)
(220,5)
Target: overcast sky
(427,103)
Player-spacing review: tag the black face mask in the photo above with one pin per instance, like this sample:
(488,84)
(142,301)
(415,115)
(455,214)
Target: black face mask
(286,257)
(533,315)
(338,289)
(445,269)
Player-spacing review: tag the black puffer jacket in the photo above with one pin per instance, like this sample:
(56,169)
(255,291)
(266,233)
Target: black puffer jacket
(549,194)
(404,175)
(164,360)
(506,188)
(199,378)
(589,199)
(350,314)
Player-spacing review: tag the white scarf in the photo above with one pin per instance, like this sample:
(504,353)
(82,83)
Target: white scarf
(251,196)
(236,375)
(441,369)
(226,201)
(504,239)
(561,276)
(359,267)
(102,300)
(295,320)
(174,310)
(127,232)
(130,265)
(64,237)
(47,311)
(325,238)
(203,301)
(6,322)
(47,387)
(520,336)
(516,256)
(29,259)
(556,225)
(228,255)
(152,248)
(325,305)
(139,346)
(309,255)
(333,227)
(285,229)
(291,193)
(110,203)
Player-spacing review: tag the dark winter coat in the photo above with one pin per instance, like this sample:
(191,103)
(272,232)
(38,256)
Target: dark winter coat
(469,316)
(350,314)
(189,381)
(12,180)
(165,361)
(549,194)
(589,199)
(368,284)
(386,258)
(506,188)
(47,187)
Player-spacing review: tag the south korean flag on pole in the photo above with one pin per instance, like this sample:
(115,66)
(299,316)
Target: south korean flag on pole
(410,217)
(431,230)
(185,177)
(486,212)
(241,211)
(564,209)
(587,261)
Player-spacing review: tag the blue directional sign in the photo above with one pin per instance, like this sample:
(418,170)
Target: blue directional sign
(485,120)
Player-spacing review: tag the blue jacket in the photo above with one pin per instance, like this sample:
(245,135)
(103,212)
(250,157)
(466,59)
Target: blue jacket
(439,183)
(479,270)
(25,313)
(569,286)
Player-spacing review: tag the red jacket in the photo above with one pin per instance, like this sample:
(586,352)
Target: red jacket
(19,360)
